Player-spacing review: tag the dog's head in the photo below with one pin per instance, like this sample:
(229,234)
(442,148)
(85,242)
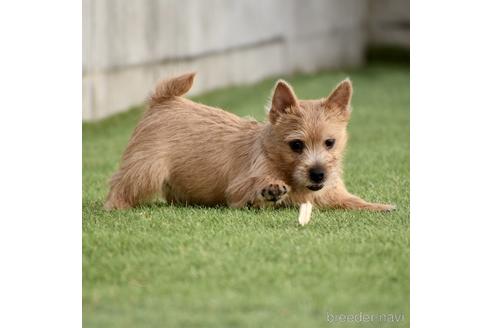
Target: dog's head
(309,136)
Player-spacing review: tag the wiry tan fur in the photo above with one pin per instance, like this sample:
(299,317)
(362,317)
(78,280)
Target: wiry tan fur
(195,154)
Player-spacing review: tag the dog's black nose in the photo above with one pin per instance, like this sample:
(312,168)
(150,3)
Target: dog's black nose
(316,174)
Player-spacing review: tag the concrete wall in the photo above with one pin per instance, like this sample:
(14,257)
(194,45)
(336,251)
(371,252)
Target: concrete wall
(129,45)
(389,22)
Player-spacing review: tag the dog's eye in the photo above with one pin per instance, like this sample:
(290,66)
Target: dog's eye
(296,145)
(329,143)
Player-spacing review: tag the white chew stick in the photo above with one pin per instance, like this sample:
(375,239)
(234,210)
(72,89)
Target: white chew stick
(305,213)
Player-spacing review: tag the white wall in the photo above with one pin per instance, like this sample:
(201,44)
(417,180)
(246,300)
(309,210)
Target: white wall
(129,45)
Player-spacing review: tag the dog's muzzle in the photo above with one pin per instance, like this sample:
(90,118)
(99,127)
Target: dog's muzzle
(315,187)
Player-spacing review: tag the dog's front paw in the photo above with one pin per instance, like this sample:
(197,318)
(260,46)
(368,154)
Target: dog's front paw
(382,207)
(274,192)
(387,207)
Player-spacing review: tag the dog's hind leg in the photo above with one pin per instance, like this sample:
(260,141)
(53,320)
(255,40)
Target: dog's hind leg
(136,181)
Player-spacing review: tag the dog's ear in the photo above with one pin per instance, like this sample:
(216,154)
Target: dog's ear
(339,99)
(283,100)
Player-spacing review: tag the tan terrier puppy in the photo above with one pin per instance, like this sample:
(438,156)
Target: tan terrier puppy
(196,154)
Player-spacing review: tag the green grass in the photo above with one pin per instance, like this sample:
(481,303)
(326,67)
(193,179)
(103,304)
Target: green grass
(166,266)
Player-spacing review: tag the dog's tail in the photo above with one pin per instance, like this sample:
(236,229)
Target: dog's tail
(173,87)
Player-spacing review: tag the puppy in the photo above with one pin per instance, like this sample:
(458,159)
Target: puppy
(195,154)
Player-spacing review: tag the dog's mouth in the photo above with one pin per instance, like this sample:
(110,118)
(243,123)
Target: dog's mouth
(315,187)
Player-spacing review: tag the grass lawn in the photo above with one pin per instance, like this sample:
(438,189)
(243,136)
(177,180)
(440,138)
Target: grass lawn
(166,266)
